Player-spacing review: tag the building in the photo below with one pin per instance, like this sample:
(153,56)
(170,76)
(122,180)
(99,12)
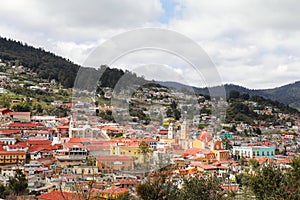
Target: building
(253,151)
(108,164)
(12,157)
(19,116)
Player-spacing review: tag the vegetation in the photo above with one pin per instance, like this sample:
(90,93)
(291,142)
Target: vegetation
(242,109)
(271,182)
(17,185)
(160,186)
(50,66)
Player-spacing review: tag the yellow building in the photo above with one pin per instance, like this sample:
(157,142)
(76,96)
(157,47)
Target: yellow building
(12,157)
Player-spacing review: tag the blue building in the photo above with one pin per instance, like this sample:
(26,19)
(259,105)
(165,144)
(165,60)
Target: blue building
(253,151)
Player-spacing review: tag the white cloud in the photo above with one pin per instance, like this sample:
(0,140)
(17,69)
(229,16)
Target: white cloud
(254,43)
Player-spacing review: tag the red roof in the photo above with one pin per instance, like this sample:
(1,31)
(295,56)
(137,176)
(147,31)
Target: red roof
(4,110)
(18,113)
(39,142)
(205,137)
(31,125)
(13,152)
(59,195)
(41,148)
(9,132)
(73,145)
(75,140)
(19,144)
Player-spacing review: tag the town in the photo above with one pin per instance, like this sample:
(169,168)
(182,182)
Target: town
(90,148)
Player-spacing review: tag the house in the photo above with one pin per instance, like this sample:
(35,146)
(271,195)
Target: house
(253,151)
(12,157)
(112,193)
(19,116)
(59,195)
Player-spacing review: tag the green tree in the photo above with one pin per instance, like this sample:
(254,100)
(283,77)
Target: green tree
(269,182)
(124,196)
(233,94)
(204,188)
(254,164)
(18,184)
(157,188)
(145,149)
(3,191)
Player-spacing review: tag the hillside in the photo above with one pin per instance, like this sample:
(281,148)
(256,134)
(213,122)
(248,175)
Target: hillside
(287,94)
(50,66)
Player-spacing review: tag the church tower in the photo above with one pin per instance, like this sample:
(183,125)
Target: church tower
(184,131)
(171,131)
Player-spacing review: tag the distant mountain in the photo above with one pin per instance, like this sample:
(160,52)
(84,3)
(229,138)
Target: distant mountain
(287,94)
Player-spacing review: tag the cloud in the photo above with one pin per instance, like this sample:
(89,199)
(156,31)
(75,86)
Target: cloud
(254,43)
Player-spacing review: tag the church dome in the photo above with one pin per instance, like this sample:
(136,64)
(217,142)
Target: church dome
(205,137)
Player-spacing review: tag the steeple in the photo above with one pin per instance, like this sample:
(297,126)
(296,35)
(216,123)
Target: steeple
(171,131)
(184,131)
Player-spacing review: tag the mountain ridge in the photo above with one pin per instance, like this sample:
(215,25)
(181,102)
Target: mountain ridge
(288,94)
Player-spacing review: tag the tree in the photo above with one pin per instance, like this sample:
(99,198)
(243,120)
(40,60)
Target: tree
(204,188)
(124,196)
(254,164)
(161,186)
(3,191)
(269,182)
(18,184)
(145,149)
(157,187)
(233,94)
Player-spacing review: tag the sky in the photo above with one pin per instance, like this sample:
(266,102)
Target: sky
(252,43)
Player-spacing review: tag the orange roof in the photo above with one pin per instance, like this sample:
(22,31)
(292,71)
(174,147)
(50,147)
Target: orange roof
(75,140)
(12,152)
(9,132)
(205,137)
(19,144)
(59,195)
(32,125)
(18,113)
(205,167)
(39,142)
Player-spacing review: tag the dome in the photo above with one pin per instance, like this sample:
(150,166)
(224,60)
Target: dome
(205,137)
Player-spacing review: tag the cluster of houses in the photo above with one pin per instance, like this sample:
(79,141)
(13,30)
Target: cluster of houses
(65,155)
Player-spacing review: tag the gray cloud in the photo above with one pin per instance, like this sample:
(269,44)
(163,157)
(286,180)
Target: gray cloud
(253,43)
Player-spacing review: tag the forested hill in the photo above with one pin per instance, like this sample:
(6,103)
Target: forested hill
(287,94)
(44,63)
(50,66)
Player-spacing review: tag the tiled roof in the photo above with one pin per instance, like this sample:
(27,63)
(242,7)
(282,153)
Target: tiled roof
(12,152)
(59,195)
(38,142)
(33,125)
(9,132)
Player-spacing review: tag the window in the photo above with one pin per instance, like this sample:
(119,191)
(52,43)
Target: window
(263,153)
(272,153)
(268,153)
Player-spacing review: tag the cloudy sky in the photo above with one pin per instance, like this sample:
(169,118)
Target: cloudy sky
(252,43)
